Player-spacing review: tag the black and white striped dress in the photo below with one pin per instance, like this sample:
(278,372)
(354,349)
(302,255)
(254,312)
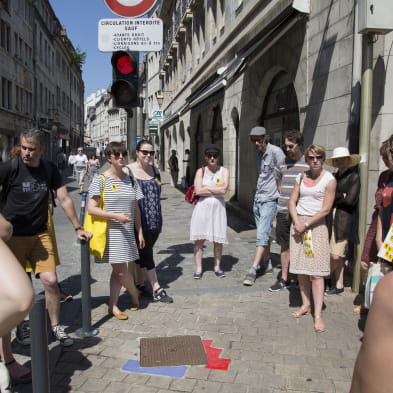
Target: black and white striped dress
(120,197)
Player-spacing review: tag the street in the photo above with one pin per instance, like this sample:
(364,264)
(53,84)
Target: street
(270,351)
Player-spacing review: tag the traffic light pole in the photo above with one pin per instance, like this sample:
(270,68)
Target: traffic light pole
(131,130)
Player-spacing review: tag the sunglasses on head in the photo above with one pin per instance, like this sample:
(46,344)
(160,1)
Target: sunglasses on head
(313,158)
(212,155)
(117,154)
(147,152)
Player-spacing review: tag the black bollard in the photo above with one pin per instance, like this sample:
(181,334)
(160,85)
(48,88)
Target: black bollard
(39,346)
(86,330)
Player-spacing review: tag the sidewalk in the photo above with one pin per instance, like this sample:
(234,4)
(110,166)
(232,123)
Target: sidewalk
(270,352)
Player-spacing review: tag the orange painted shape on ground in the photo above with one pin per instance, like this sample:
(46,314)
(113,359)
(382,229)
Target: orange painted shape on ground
(214,362)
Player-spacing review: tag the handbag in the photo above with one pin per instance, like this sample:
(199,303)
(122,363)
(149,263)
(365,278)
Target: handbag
(374,274)
(190,196)
(98,227)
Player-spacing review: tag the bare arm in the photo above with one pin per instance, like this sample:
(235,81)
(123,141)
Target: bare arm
(200,189)
(138,226)
(378,237)
(94,210)
(222,188)
(68,206)
(6,228)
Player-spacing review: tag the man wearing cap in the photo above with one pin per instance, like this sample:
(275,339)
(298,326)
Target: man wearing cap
(265,200)
(286,173)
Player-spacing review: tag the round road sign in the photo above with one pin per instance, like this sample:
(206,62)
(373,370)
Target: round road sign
(130,8)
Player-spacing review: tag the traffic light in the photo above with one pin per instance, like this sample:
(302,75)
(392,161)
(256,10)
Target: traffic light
(125,79)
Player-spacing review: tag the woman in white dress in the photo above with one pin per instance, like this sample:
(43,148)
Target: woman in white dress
(209,219)
(121,209)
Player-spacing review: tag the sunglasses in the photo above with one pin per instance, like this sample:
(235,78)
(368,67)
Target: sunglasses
(290,146)
(313,158)
(212,155)
(147,152)
(117,154)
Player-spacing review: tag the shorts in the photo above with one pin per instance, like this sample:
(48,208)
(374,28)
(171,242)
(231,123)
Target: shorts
(38,250)
(338,247)
(146,259)
(264,213)
(283,228)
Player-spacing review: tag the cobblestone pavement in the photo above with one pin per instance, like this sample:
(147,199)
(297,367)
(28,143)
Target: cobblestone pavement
(270,351)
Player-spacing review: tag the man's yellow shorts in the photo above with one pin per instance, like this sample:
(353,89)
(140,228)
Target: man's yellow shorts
(38,250)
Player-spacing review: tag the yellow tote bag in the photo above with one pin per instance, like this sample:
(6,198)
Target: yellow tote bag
(97,226)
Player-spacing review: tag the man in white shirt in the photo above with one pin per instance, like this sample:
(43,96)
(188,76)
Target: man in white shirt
(80,166)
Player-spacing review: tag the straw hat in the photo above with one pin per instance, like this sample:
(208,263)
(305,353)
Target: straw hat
(341,152)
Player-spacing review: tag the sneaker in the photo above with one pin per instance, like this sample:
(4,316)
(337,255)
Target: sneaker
(220,274)
(58,333)
(23,333)
(197,275)
(161,296)
(278,286)
(249,279)
(265,268)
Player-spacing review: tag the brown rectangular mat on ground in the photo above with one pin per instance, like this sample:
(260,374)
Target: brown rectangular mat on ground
(172,351)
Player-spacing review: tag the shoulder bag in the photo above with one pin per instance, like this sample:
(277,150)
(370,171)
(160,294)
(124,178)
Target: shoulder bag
(98,227)
(190,196)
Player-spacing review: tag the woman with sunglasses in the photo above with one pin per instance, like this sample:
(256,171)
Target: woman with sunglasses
(149,181)
(209,219)
(342,221)
(311,201)
(122,212)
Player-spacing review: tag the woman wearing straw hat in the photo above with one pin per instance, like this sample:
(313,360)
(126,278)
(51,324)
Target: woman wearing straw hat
(344,216)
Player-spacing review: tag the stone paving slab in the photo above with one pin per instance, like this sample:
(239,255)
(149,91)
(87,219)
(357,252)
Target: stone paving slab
(270,351)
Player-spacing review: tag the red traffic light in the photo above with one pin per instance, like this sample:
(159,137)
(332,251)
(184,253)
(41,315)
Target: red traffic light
(123,62)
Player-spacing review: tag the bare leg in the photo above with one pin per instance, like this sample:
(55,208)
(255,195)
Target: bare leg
(198,254)
(318,286)
(52,296)
(217,256)
(284,256)
(337,268)
(123,277)
(305,291)
(259,252)
(152,278)
(114,293)
(15,369)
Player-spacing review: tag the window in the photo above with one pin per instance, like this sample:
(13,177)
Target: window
(6,93)
(5,38)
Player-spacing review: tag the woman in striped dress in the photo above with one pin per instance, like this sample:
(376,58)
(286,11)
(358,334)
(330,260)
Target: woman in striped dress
(122,212)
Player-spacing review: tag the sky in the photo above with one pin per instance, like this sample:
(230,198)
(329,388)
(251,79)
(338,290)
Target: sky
(80,18)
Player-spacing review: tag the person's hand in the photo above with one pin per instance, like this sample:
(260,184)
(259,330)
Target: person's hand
(299,228)
(364,265)
(124,218)
(141,241)
(83,235)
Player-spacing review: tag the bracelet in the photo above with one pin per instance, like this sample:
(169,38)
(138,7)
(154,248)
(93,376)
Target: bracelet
(78,228)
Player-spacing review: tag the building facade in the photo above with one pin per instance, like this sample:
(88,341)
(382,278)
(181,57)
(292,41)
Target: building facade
(41,77)
(228,65)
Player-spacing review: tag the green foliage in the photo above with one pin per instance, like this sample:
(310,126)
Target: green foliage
(79,56)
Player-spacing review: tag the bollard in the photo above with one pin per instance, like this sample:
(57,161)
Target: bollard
(39,346)
(86,330)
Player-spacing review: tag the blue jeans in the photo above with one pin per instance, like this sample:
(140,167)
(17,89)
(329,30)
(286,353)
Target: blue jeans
(264,215)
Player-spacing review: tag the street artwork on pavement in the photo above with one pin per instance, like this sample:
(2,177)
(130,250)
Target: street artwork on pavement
(214,363)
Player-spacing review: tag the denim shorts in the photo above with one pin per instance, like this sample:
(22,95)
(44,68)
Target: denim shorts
(264,215)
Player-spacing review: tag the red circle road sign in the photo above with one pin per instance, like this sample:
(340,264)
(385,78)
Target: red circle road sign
(130,8)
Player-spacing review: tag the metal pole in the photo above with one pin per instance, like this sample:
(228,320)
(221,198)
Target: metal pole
(364,146)
(131,130)
(86,330)
(39,346)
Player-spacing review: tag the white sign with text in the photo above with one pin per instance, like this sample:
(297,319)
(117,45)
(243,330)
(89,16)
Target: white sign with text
(131,34)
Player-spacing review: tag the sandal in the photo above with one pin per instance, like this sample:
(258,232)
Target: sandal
(25,378)
(302,311)
(319,329)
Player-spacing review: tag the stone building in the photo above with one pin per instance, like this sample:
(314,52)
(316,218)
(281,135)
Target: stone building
(227,66)
(104,123)
(41,77)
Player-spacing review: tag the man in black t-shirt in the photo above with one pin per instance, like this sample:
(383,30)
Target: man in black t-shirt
(27,182)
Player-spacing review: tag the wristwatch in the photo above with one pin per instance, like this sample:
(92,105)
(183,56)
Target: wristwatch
(78,228)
